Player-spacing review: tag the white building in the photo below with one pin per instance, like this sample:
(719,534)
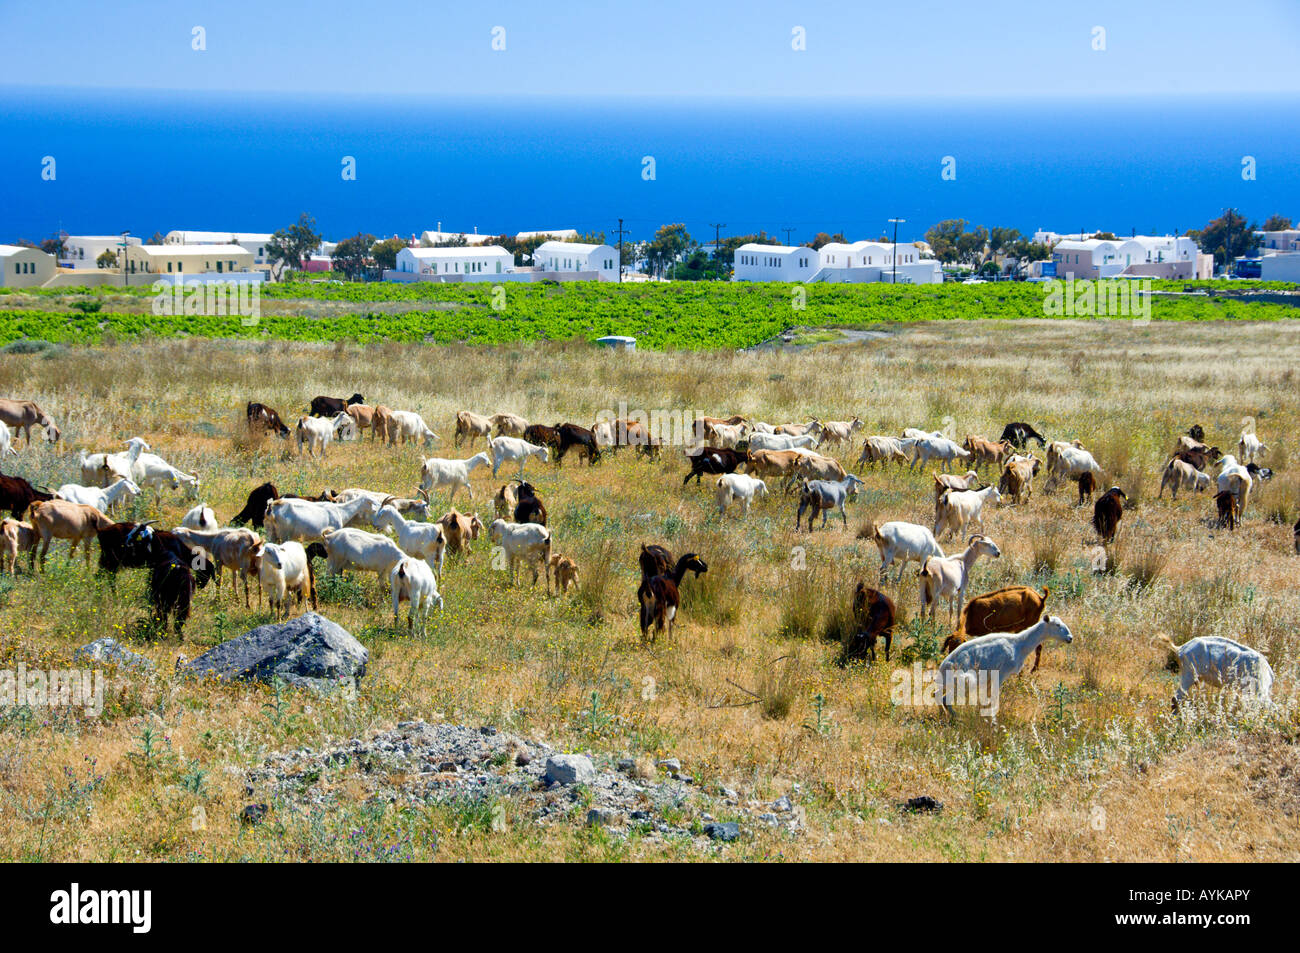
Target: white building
(1153,256)
(559,234)
(1282,241)
(758,262)
(1282,266)
(576,256)
(254,242)
(82,251)
(439,237)
(24,267)
(458,262)
(189,260)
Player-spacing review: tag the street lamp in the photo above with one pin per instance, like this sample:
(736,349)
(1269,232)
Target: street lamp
(122,245)
(896,222)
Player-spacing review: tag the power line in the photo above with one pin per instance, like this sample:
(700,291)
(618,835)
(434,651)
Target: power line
(621,232)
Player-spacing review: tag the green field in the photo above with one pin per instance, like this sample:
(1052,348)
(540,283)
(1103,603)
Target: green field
(662,316)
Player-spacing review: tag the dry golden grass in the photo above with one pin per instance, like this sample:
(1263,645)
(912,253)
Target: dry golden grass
(1085,762)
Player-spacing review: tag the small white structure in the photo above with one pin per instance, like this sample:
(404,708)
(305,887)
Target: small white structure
(559,234)
(190,260)
(1154,256)
(757,262)
(82,251)
(576,256)
(253,242)
(1284,266)
(1281,241)
(459,262)
(618,342)
(439,237)
(24,267)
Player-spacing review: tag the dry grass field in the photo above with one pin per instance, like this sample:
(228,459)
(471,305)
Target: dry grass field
(1085,762)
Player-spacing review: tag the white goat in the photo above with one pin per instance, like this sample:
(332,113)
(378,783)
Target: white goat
(410,426)
(1237,480)
(514,450)
(931,447)
(6,440)
(879,449)
(439,471)
(308,519)
(419,509)
(740,488)
(100,498)
(1219,661)
(200,517)
(1065,461)
(423,540)
(1250,446)
(957,509)
(905,542)
(412,580)
(998,655)
(950,575)
(100,469)
(283,568)
(315,433)
(1181,475)
(153,471)
(344,426)
(529,543)
(358,549)
(779,441)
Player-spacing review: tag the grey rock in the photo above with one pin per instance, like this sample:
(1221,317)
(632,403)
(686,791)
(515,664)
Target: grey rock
(568,769)
(252,814)
(782,805)
(110,652)
(923,804)
(726,831)
(307,652)
(599,817)
(626,765)
(671,765)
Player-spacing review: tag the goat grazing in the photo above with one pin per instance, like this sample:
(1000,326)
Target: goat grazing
(423,540)
(412,580)
(1004,610)
(471,426)
(529,543)
(958,509)
(1018,434)
(822,496)
(1220,661)
(904,542)
(999,654)
(948,576)
(738,488)
(873,619)
(1107,513)
(437,472)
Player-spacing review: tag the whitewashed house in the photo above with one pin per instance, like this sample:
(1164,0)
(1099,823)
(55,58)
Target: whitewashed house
(559,234)
(82,251)
(758,262)
(1280,266)
(439,237)
(577,256)
(193,261)
(24,267)
(456,263)
(1280,241)
(253,242)
(1150,256)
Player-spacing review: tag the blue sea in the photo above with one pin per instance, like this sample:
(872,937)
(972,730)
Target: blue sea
(150,161)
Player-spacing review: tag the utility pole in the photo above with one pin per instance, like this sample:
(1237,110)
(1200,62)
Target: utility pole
(787,235)
(717,240)
(896,222)
(124,246)
(621,233)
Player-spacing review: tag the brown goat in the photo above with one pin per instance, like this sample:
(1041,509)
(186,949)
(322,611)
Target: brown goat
(15,537)
(873,619)
(566,572)
(459,529)
(1012,609)
(1230,515)
(1087,486)
(1107,513)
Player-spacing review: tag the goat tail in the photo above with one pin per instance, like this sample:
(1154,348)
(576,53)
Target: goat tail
(1163,639)
(1047,591)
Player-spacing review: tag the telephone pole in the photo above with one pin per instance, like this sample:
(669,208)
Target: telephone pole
(896,222)
(621,233)
(787,234)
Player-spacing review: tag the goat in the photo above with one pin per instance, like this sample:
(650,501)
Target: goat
(509,425)
(6,441)
(62,519)
(943,482)
(315,433)
(15,537)
(200,517)
(232,548)
(810,429)
(423,540)
(1236,479)
(714,461)
(299,519)
(1107,513)
(905,542)
(459,529)
(780,441)
(1229,515)
(1200,459)
(958,509)
(381,423)
(881,449)
(662,596)
(986,451)
(284,568)
(1001,654)
(841,431)
(419,508)
(1181,475)
(950,575)
(101,499)
(572,436)
(24,415)
(99,469)
(363,418)
(263,419)
(1017,481)
(1196,432)
(724,435)
(471,426)
(738,487)
(1087,486)
(529,508)
(151,470)
(412,580)
(1004,610)
(514,450)
(821,496)
(814,466)
(438,471)
(927,448)
(653,560)
(505,501)
(1220,661)
(873,618)
(332,406)
(542,435)
(565,571)
(523,542)
(410,426)
(1248,445)
(1018,434)
(767,463)
(17,495)
(1066,461)
(1258,473)
(358,549)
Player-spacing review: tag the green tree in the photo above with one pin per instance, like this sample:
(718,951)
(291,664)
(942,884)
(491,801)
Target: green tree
(821,239)
(290,247)
(670,243)
(943,238)
(352,255)
(107,259)
(725,253)
(1002,239)
(1276,223)
(385,253)
(53,246)
(971,246)
(157,239)
(1227,237)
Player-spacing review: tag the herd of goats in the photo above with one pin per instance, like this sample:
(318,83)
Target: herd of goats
(394,537)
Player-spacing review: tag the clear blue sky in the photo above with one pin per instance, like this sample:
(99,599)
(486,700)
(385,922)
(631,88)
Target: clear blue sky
(665,48)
